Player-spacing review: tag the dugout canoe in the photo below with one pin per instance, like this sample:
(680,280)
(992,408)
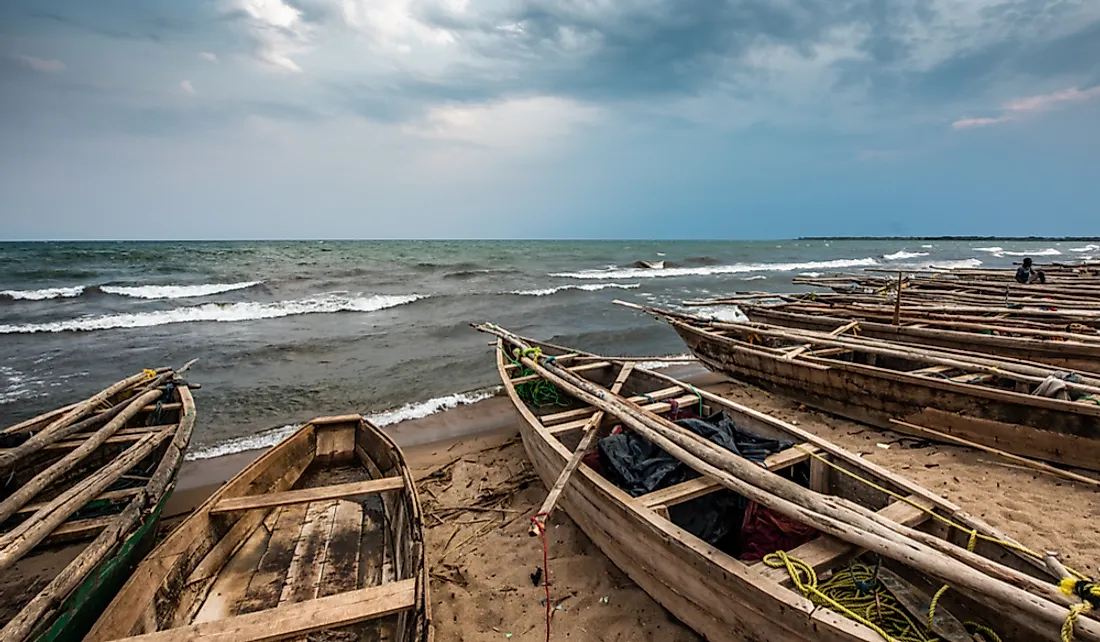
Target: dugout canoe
(320,536)
(719,596)
(1065,350)
(973,396)
(81,493)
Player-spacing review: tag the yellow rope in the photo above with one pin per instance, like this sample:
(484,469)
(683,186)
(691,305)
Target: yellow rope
(1075,611)
(943,589)
(149,373)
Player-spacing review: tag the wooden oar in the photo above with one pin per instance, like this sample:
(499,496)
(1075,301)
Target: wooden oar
(591,431)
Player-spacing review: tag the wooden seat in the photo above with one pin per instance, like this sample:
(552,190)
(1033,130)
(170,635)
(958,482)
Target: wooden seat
(579,413)
(653,407)
(692,488)
(286,498)
(298,619)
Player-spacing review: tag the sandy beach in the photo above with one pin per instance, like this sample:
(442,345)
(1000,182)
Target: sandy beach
(482,561)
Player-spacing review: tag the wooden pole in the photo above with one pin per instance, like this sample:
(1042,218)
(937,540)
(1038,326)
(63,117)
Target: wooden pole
(591,431)
(831,515)
(39,482)
(897,302)
(17,542)
(1029,463)
(20,626)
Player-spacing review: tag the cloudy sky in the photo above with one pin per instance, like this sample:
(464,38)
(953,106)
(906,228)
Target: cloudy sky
(548,118)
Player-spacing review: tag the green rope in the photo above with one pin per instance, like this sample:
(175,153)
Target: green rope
(537,392)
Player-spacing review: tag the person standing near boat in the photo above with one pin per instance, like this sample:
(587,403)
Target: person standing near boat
(1025,273)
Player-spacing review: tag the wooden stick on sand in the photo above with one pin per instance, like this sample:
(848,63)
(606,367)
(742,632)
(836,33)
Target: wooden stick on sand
(1029,463)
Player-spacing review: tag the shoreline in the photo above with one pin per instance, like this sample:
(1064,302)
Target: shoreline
(478,424)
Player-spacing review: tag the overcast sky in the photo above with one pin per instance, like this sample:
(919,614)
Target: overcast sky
(548,118)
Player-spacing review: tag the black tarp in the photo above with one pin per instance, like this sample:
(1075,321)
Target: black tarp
(637,466)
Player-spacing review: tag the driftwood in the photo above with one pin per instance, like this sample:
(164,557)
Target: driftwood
(15,543)
(25,493)
(830,515)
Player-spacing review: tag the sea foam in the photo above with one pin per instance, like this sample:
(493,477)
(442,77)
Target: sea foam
(615,272)
(176,291)
(220,312)
(42,295)
(272,436)
(897,256)
(587,288)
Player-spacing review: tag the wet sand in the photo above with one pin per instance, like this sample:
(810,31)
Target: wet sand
(482,562)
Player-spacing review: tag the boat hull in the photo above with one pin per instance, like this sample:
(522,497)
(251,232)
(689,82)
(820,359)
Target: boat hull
(1082,357)
(722,599)
(1049,429)
(321,533)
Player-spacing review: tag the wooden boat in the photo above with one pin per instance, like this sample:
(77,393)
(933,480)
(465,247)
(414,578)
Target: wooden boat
(82,491)
(709,589)
(977,397)
(1073,351)
(321,535)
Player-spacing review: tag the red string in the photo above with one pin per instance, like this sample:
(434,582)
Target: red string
(545,568)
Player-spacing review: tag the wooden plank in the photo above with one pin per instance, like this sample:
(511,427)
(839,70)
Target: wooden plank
(231,583)
(336,419)
(266,585)
(595,365)
(931,370)
(827,552)
(341,572)
(569,415)
(304,575)
(150,408)
(692,488)
(125,493)
(307,495)
(77,530)
(789,457)
(819,475)
(297,620)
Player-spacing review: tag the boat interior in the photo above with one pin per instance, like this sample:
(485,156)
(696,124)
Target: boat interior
(834,561)
(320,532)
(29,575)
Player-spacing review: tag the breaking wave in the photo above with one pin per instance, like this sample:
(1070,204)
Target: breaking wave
(955,265)
(616,272)
(42,295)
(221,312)
(897,256)
(176,291)
(1087,248)
(272,436)
(587,288)
(1046,252)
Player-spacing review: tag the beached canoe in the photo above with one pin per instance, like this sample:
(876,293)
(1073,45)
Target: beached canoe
(81,493)
(722,586)
(983,399)
(321,535)
(1065,350)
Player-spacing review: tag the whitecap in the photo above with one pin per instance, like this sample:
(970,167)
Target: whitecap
(1045,252)
(272,436)
(812,275)
(176,291)
(587,288)
(430,407)
(41,295)
(1087,248)
(992,250)
(902,254)
(954,265)
(758,277)
(221,312)
(735,268)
